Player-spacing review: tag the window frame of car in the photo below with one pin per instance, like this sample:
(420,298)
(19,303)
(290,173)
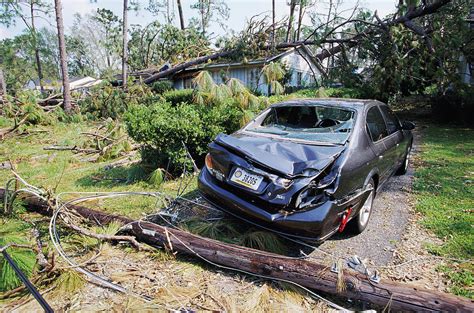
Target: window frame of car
(261,117)
(386,118)
(367,131)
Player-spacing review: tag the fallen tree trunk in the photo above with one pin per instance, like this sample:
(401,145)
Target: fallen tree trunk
(385,294)
(343,43)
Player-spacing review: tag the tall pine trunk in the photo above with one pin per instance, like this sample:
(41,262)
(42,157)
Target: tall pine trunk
(35,46)
(125,44)
(300,20)
(3,85)
(290,20)
(63,57)
(181,16)
(273,25)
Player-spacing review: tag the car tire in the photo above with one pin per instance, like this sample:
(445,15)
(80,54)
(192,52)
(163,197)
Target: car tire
(404,167)
(359,222)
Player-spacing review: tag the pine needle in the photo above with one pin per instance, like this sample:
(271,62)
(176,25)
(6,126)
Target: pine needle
(69,282)
(156,177)
(14,231)
(263,240)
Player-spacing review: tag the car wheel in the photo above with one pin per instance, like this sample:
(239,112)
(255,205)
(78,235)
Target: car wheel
(361,220)
(404,167)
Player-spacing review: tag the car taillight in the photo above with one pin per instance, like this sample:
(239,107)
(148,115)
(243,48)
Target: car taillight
(208,161)
(210,166)
(309,197)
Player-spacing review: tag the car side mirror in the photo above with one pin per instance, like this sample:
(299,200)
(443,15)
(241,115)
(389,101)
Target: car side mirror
(406,125)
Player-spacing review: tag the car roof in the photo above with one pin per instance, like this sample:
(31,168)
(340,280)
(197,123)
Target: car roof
(343,102)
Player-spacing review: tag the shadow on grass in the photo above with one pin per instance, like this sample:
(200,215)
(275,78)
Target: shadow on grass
(118,176)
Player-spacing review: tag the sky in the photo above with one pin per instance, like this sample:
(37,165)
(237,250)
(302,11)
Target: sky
(240,12)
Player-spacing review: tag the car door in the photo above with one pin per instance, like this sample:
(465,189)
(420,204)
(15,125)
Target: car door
(379,141)
(394,129)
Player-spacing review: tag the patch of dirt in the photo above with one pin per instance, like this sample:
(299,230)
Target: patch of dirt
(412,263)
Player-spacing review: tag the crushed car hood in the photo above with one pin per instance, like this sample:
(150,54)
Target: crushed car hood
(286,157)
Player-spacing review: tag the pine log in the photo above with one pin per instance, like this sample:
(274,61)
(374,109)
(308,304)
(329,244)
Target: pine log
(385,294)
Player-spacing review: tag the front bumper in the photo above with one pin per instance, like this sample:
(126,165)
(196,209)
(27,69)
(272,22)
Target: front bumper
(315,224)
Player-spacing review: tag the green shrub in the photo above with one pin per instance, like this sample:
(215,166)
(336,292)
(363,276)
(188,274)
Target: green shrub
(455,106)
(161,86)
(68,118)
(164,127)
(107,101)
(176,97)
(332,93)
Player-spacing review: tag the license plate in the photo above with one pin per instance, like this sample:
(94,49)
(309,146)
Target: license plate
(244,178)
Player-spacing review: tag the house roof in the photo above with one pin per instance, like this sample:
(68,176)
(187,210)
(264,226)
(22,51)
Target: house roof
(255,62)
(83,82)
(74,82)
(190,71)
(238,64)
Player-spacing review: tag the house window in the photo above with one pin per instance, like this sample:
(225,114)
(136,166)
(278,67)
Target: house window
(188,83)
(252,75)
(299,79)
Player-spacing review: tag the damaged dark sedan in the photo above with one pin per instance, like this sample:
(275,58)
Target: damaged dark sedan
(306,168)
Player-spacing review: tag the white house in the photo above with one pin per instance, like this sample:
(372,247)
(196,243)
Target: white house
(298,61)
(76,83)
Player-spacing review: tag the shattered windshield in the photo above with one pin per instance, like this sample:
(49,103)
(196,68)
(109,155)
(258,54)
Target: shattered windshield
(314,123)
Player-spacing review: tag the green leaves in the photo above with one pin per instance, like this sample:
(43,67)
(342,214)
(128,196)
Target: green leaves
(274,73)
(164,127)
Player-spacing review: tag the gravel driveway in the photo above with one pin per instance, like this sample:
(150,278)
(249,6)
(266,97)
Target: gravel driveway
(390,217)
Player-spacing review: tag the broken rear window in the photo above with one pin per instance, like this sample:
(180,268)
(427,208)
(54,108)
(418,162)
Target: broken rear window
(314,123)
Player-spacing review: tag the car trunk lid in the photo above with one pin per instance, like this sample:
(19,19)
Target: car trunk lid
(286,157)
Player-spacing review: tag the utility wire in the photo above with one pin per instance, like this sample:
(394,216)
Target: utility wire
(31,288)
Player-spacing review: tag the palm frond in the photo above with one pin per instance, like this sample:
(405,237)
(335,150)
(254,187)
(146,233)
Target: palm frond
(200,98)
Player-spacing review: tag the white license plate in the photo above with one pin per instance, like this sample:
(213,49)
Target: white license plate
(244,178)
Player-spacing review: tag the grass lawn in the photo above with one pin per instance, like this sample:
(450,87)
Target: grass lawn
(444,188)
(64,171)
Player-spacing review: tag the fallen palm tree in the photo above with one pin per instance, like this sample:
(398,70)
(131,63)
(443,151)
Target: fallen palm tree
(301,272)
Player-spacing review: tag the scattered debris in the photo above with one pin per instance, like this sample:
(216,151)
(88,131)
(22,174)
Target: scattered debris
(301,272)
